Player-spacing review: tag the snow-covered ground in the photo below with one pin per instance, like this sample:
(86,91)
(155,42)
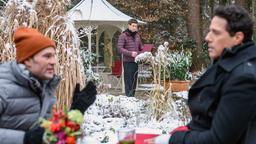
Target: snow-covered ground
(110,113)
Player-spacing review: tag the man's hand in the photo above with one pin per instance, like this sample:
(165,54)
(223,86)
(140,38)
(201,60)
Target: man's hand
(134,54)
(34,136)
(84,98)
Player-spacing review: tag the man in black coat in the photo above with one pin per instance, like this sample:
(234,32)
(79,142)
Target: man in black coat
(223,101)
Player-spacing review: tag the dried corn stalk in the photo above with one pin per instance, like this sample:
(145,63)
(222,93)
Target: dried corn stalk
(161,100)
(49,17)
(160,97)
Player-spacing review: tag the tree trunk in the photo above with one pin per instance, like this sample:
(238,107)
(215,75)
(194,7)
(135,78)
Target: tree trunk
(242,3)
(194,31)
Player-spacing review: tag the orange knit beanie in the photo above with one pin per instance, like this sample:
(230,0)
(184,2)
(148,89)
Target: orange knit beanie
(29,41)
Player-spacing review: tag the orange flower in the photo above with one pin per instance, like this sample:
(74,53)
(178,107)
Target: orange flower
(70,140)
(55,127)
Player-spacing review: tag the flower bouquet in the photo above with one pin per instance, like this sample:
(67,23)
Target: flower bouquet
(63,127)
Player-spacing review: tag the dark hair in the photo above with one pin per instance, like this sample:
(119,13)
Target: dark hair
(132,21)
(238,19)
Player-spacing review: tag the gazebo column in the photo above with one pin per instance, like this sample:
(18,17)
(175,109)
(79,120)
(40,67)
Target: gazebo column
(90,47)
(97,51)
(123,88)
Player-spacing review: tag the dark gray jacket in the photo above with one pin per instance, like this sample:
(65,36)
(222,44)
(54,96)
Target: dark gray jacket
(23,99)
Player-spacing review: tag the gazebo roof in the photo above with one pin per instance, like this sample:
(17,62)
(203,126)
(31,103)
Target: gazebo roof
(98,12)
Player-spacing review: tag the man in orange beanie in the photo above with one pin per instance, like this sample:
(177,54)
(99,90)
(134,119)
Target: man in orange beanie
(27,88)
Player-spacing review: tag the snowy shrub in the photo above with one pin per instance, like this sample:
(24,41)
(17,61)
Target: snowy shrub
(87,57)
(178,66)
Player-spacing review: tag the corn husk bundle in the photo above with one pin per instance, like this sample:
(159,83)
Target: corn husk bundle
(160,98)
(49,17)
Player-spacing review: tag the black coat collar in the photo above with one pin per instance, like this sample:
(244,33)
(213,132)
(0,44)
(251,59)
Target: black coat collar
(237,55)
(227,62)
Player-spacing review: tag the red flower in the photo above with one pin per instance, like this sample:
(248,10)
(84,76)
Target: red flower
(61,125)
(55,116)
(55,127)
(76,127)
(70,124)
(73,126)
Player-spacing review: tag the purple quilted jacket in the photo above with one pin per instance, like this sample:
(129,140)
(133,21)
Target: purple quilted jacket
(126,44)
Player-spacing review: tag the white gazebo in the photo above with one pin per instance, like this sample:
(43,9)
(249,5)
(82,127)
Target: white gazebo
(101,15)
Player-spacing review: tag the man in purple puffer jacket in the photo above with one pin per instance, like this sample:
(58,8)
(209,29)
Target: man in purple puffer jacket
(129,45)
